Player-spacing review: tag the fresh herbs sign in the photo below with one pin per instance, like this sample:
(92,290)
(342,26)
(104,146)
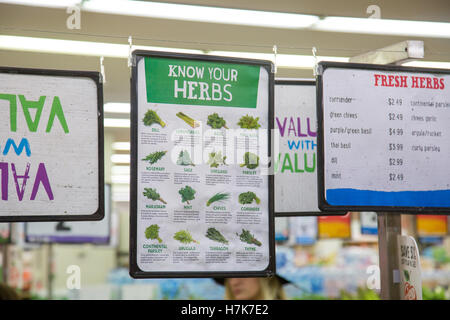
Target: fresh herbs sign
(190,82)
(49,142)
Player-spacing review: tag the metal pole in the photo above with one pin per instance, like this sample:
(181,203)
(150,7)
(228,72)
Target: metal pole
(4,253)
(389,227)
(50,271)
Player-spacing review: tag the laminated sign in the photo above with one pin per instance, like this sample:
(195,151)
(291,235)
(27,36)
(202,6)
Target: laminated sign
(384,138)
(51,145)
(410,269)
(295,164)
(369,223)
(201,193)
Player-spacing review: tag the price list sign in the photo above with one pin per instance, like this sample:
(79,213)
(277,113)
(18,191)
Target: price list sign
(385,138)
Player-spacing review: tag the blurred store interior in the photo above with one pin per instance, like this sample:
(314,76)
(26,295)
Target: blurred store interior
(35,34)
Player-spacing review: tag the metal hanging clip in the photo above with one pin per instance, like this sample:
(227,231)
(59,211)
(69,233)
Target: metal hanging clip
(275,49)
(102,71)
(131,62)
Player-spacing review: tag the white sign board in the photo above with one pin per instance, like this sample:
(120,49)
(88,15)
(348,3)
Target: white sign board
(410,270)
(386,138)
(303,230)
(51,157)
(200,201)
(295,164)
(95,232)
(369,222)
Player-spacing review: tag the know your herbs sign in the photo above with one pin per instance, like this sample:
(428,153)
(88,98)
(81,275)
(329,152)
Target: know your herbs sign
(201,193)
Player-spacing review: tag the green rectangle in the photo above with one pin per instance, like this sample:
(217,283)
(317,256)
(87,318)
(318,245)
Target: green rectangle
(203,83)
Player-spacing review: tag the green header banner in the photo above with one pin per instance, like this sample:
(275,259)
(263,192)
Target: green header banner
(192,82)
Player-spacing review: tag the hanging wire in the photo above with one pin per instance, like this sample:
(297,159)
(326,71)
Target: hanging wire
(203,43)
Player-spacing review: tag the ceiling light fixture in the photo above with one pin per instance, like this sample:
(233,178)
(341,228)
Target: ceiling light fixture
(174,11)
(115,107)
(74,47)
(120,158)
(121,146)
(384,27)
(116,123)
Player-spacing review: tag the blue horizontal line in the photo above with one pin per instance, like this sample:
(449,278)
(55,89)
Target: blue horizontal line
(355,197)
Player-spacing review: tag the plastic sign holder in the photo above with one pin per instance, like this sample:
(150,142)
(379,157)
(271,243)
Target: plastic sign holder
(174,231)
(51,140)
(295,151)
(381,130)
(383,138)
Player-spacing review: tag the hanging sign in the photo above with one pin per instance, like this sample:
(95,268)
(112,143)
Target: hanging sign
(384,137)
(335,227)
(295,164)
(303,230)
(95,232)
(295,149)
(201,193)
(5,233)
(51,145)
(410,270)
(281,229)
(369,223)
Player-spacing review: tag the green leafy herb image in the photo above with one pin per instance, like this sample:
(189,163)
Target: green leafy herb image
(155,156)
(216,122)
(152,233)
(248,197)
(184,237)
(215,235)
(251,160)
(248,122)
(247,237)
(216,159)
(153,195)
(184,159)
(406,274)
(218,197)
(152,117)
(188,120)
(187,193)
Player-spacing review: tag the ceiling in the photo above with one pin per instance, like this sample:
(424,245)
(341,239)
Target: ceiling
(51,23)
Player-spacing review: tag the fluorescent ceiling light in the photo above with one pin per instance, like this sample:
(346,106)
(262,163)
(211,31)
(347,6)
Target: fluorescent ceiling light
(113,107)
(256,18)
(73,47)
(121,196)
(121,189)
(282,60)
(120,170)
(121,146)
(120,158)
(116,123)
(185,12)
(44,3)
(384,26)
(120,179)
(428,64)
(121,51)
